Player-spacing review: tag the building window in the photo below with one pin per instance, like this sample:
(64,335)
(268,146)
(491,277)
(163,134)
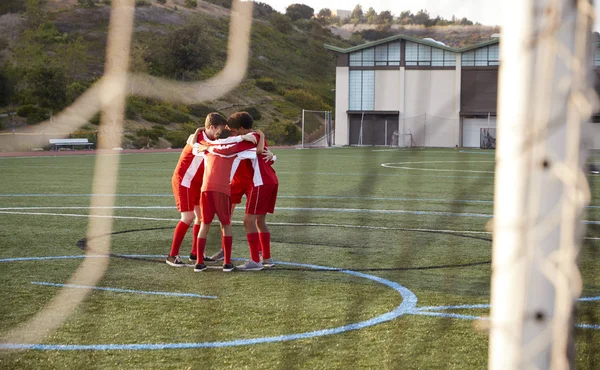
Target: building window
(362,90)
(486,56)
(597,57)
(424,55)
(380,56)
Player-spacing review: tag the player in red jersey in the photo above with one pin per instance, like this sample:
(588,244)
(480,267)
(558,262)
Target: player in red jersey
(256,179)
(186,183)
(215,195)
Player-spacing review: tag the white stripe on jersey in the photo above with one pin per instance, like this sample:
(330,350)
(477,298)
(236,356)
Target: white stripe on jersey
(191,171)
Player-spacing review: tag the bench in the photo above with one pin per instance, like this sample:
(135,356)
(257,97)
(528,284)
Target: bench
(58,144)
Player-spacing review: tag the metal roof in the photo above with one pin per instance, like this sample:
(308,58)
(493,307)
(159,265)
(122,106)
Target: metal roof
(412,39)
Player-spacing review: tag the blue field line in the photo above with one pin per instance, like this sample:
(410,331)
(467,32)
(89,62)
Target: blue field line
(588,326)
(460,307)
(482,306)
(470,317)
(118,290)
(589,299)
(448,315)
(409,302)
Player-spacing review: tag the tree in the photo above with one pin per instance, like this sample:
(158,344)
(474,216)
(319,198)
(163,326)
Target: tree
(299,11)
(385,17)
(72,57)
(406,17)
(371,16)
(282,23)
(35,12)
(465,22)
(357,14)
(191,3)
(139,53)
(48,86)
(325,13)
(12,6)
(86,3)
(262,10)
(7,86)
(422,17)
(187,49)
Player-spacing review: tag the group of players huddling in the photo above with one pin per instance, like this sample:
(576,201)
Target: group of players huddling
(210,179)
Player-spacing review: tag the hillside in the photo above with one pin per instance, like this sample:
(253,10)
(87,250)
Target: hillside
(455,36)
(55,52)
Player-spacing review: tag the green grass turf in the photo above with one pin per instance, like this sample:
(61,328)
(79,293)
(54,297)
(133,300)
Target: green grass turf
(283,300)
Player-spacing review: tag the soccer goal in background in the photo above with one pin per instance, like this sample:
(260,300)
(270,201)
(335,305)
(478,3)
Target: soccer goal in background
(317,129)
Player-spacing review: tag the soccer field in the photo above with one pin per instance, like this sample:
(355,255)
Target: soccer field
(383,262)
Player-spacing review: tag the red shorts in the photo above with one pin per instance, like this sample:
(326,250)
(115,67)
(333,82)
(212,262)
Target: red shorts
(261,199)
(238,191)
(186,198)
(214,202)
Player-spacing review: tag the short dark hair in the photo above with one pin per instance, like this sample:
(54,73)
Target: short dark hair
(240,120)
(215,119)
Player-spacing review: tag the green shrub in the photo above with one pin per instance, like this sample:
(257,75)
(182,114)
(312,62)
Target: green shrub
(283,133)
(223,3)
(86,3)
(282,23)
(25,110)
(153,116)
(142,3)
(306,100)
(201,110)
(152,135)
(177,138)
(74,90)
(163,2)
(267,84)
(191,3)
(107,2)
(33,114)
(38,115)
(171,114)
(255,113)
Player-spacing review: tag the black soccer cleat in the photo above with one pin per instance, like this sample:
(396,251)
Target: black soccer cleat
(175,261)
(200,267)
(193,258)
(228,267)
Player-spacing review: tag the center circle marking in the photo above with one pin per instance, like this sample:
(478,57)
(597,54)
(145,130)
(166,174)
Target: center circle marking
(408,305)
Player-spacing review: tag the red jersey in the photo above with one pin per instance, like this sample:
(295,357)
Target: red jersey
(190,168)
(219,164)
(254,172)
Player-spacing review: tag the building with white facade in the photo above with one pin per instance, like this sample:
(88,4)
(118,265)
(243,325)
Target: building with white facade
(431,94)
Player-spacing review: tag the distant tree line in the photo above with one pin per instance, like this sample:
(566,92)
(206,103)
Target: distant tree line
(422,17)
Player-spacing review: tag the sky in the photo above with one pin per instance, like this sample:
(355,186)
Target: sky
(488,12)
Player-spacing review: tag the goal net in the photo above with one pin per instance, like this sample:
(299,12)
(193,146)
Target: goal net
(317,129)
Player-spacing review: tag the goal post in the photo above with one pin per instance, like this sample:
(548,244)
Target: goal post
(540,188)
(317,129)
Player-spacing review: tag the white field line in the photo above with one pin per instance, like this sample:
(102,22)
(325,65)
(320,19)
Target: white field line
(344,226)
